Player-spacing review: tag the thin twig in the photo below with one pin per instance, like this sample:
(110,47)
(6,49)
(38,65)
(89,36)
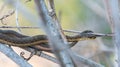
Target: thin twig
(108,14)
(96,34)
(7,15)
(42,54)
(22,27)
(16,17)
(71,31)
(77,58)
(24,11)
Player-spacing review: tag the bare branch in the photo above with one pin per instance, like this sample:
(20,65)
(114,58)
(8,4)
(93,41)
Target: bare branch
(90,63)
(24,11)
(70,31)
(54,35)
(22,27)
(16,16)
(42,54)
(53,15)
(95,34)
(13,56)
(7,15)
(108,13)
(114,18)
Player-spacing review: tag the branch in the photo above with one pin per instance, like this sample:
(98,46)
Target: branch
(115,20)
(77,59)
(7,15)
(24,11)
(22,27)
(41,54)
(108,13)
(70,31)
(55,37)
(16,17)
(13,56)
(94,34)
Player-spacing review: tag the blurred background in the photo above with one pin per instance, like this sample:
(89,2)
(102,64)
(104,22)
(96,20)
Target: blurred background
(78,15)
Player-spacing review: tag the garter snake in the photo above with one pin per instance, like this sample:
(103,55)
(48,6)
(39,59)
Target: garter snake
(13,38)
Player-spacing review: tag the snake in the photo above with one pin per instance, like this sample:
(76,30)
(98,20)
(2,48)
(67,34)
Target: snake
(14,38)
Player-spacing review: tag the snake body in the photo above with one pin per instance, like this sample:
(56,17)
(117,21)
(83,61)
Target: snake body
(13,38)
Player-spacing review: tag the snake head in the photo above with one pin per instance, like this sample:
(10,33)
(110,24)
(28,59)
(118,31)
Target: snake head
(88,34)
(87,31)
